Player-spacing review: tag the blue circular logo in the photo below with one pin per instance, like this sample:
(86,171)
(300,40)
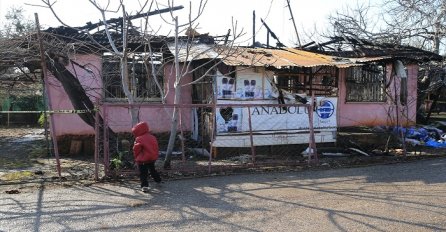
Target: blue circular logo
(325,110)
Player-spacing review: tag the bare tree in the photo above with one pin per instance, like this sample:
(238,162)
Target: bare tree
(419,23)
(16,24)
(183,62)
(186,53)
(120,51)
(359,21)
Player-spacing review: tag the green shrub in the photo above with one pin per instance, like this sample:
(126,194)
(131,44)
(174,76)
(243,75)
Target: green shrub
(41,119)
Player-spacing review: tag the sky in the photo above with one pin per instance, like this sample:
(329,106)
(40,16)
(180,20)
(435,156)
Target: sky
(217,18)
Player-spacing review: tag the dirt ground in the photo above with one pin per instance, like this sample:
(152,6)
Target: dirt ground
(24,158)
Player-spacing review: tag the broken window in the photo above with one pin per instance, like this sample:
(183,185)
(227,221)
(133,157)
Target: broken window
(366,83)
(325,81)
(322,80)
(141,81)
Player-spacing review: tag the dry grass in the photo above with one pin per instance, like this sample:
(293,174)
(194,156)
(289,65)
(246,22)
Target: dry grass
(20,175)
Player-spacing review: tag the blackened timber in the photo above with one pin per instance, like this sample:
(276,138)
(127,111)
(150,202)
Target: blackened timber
(279,44)
(91,26)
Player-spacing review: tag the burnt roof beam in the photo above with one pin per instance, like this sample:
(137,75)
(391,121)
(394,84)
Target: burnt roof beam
(90,26)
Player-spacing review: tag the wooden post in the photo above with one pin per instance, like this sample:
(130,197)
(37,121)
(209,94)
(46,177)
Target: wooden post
(213,131)
(251,139)
(183,150)
(96,146)
(312,155)
(106,142)
(45,77)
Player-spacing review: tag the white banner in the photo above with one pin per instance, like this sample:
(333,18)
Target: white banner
(274,118)
(247,85)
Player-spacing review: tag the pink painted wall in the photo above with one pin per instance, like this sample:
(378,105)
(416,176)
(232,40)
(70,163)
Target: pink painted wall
(380,113)
(349,114)
(157,115)
(186,91)
(118,117)
(71,123)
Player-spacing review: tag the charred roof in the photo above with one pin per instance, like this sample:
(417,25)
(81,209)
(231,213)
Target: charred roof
(359,48)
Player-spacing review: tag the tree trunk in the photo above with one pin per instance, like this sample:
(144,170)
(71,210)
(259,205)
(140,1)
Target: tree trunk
(128,93)
(437,44)
(177,87)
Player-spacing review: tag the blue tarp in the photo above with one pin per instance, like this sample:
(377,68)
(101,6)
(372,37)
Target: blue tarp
(433,143)
(427,136)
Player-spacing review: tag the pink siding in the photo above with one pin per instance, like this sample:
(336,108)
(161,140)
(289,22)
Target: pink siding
(71,123)
(118,117)
(186,91)
(349,114)
(374,114)
(155,115)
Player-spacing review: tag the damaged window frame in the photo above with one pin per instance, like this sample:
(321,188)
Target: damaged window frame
(366,83)
(141,82)
(323,80)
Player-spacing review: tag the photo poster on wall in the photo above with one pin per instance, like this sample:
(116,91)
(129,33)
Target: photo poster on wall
(275,118)
(229,119)
(248,85)
(225,86)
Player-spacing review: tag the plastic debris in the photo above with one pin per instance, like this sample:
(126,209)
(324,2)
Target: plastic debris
(436,144)
(430,136)
(307,151)
(358,151)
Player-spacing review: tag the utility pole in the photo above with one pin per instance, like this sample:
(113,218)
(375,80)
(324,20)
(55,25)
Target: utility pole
(294,23)
(253,28)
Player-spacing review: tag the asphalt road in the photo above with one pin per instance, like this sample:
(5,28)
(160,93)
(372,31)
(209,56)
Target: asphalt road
(397,197)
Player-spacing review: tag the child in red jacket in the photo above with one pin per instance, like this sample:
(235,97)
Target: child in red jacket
(145,152)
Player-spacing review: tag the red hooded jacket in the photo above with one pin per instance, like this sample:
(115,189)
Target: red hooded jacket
(145,148)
